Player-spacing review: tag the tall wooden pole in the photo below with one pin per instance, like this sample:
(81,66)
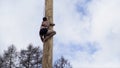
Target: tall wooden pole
(48,45)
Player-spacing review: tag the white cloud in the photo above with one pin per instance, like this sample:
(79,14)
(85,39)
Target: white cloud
(68,22)
(106,19)
(101,25)
(20,22)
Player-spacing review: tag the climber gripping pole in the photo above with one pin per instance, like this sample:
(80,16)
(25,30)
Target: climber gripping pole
(46,34)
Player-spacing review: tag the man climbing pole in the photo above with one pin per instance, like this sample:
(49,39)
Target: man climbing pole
(45,33)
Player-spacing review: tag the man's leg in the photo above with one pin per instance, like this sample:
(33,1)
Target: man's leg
(49,34)
(42,38)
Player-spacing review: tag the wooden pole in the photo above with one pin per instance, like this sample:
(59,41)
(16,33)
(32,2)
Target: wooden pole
(48,45)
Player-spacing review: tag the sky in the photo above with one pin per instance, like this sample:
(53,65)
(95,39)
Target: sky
(88,31)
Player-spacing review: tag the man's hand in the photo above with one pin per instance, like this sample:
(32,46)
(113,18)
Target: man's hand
(52,24)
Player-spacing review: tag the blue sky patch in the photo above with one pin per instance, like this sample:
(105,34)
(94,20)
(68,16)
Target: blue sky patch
(82,7)
(91,48)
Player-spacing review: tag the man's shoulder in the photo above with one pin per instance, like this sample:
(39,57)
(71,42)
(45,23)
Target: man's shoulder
(45,21)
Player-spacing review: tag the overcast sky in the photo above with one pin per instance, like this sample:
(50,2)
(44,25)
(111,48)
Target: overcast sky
(88,31)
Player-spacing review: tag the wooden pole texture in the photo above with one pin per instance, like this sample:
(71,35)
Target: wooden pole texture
(48,45)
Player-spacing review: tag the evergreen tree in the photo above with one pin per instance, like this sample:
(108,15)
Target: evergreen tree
(28,58)
(1,61)
(38,58)
(62,63)
(31,58)
(9,57)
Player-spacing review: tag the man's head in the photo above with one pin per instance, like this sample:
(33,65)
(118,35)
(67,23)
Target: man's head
(44,19)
